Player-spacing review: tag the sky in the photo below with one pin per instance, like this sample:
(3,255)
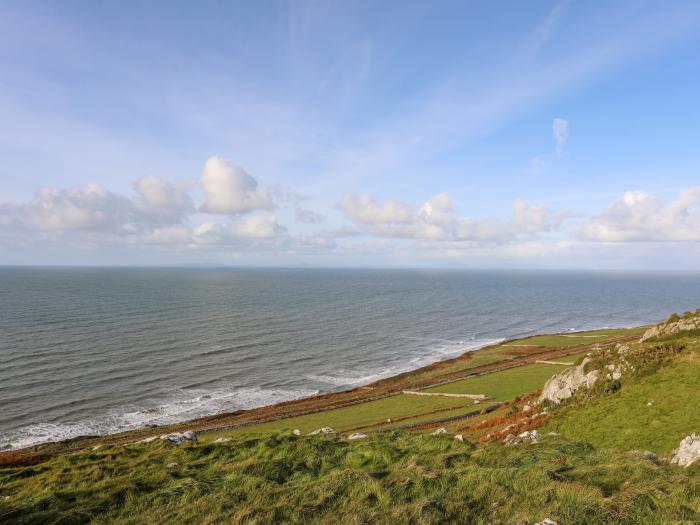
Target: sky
(539,134)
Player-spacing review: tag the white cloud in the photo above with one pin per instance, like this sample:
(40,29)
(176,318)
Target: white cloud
(365,210)
(560,130)
(434,220)
(87,208)
(639,216)
(162,200)
(230,190)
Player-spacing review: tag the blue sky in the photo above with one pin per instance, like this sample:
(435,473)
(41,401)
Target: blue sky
(543,134)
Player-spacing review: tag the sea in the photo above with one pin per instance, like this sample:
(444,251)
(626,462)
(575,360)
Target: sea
(86,351)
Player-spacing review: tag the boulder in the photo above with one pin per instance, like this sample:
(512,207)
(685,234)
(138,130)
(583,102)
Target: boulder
(688,452)
(178,438)
(324,430)
(563,385)
(356,435)
(439,432)
(459,437)
(296,432)
(671,328)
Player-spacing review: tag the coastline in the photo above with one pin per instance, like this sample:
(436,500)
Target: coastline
(416,378)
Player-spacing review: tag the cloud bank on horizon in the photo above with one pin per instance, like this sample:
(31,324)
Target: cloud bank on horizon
(326,134)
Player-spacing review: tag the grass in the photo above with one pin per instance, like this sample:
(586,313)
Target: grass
(369,413)
(264,474)
(389,478)
(627,421)
(504,385)
(424,418)
(574,338)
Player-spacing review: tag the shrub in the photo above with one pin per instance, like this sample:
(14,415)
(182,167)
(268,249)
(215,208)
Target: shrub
(611,386)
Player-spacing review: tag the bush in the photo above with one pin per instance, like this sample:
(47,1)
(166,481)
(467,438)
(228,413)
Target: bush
(611,386)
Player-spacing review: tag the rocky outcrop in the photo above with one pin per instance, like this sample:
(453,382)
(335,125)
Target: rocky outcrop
(688,452)
(669,328)
(563,385)
(529,436)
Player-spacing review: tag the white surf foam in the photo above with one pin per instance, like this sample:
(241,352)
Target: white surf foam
(184,405)
(440,352)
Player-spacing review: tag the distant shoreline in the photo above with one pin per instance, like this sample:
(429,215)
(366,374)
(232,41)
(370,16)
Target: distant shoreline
(321,402)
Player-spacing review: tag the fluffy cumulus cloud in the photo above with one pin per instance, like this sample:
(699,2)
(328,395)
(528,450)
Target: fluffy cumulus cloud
(162,200)
(159,212)
(435,220)
(560,130)
(230,190)
(639,216)
(89,208)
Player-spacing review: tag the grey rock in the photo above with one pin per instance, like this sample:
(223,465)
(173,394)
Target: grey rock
(667,329)
(563,385)
(688,452)
(324,430)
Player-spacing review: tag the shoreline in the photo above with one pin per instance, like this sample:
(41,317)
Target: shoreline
(379,389)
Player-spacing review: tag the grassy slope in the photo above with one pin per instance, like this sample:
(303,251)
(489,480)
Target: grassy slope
(389,478)
(583,475)
(625,421)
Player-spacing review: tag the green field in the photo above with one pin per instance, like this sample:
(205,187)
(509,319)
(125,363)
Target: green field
(574,338)
(369,413)
(504,385)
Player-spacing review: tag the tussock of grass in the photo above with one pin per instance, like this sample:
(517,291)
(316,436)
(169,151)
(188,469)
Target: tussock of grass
(388,478)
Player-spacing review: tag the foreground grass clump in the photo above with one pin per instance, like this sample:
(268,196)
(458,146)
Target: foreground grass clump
(387,478)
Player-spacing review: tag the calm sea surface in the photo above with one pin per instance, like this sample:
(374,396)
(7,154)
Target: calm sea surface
(89,351)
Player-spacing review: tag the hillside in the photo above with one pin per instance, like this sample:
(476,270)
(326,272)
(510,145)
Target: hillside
(575,428)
